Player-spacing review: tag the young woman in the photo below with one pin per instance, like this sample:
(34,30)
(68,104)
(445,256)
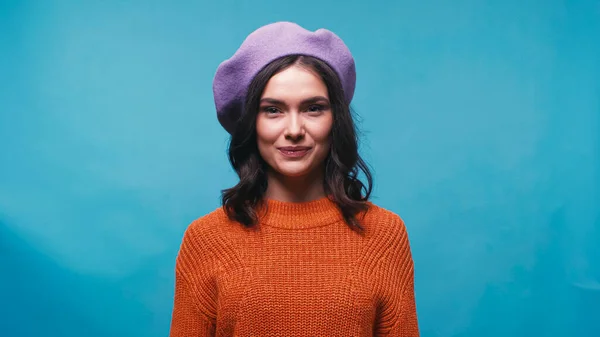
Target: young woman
(297,249)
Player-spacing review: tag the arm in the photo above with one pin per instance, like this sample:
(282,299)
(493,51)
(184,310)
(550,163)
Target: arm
(398,313)
(195,296)
(187,319)
(406,325)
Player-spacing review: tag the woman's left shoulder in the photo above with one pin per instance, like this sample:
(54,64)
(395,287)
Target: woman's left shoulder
(378,218)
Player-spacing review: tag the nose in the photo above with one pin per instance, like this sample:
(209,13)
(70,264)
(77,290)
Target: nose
(295,127)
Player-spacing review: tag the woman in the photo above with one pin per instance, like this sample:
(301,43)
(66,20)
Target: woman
(297,249)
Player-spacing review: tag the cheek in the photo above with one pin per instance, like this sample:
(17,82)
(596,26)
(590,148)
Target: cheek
(322,136)
(264,133)
(266,136)
(322,132)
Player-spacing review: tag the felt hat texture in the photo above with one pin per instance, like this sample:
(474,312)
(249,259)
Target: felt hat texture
(266,44)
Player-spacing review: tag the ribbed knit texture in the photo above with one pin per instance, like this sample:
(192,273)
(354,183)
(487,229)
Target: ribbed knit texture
(301,272)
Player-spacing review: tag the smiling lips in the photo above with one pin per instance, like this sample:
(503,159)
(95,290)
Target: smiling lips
(294,151)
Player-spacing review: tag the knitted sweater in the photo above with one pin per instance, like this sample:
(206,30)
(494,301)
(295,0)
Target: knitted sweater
(301,272)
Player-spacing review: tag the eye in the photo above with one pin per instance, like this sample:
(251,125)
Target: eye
(270,110)
(316,108)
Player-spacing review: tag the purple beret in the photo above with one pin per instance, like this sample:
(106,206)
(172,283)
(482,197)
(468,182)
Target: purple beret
(267,44)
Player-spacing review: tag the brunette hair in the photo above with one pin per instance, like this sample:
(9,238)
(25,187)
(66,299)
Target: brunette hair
(342,165)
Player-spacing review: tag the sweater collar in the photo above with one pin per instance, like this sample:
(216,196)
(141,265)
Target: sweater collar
(299,215)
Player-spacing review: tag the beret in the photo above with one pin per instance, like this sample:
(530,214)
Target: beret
(266,44)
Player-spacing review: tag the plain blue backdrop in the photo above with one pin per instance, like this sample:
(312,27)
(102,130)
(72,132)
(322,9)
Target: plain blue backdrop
(480,120)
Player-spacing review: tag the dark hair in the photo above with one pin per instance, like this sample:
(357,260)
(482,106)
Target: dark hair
(342,164)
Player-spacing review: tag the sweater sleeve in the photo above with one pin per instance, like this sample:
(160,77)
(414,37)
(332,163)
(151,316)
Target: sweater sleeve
(397,310)
(194,300)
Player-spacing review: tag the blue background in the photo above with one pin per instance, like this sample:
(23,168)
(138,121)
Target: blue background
(480,119)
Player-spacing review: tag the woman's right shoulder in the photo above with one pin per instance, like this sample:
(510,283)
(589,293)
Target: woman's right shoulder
(206,236)
(208,224)
(204,241)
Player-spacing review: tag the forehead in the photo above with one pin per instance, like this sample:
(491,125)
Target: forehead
(295,83)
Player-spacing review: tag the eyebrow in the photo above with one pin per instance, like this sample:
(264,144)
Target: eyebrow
(311,100)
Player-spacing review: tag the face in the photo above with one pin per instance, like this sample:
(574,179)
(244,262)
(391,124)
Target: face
(294,122)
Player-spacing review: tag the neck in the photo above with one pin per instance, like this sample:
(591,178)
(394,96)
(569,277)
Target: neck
(295,189)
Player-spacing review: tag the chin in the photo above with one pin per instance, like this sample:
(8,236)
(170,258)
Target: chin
(293,172)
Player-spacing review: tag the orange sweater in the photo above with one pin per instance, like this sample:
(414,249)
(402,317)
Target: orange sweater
(302,272)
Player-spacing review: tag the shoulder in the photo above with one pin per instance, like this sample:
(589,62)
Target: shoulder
(207,224)
(388,239)
(206,234)
(379,220)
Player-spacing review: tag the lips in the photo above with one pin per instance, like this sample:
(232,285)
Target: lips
(294,151)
